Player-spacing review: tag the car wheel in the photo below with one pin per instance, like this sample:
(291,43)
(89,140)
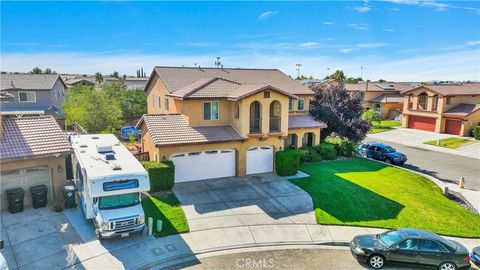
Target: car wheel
(376,261)
(447,266)
(365,155)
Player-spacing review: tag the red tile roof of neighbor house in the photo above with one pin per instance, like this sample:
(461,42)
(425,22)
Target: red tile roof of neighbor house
(304,121)
(462,110)
(173,129)
(185,79)
(461,89)
(387,98)
(27,137)
(377,86)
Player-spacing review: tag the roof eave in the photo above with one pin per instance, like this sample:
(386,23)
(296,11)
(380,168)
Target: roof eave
(59,154)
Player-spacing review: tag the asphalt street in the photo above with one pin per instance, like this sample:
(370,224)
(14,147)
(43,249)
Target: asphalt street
(288,259)
(446,167)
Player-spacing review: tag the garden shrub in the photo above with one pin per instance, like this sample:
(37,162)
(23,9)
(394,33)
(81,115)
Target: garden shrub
(327,151)
(309,154)
(287,162)
(476,132)
(343,147)
(161,174)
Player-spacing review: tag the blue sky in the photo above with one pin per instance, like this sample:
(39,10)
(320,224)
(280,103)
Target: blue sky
(403,40)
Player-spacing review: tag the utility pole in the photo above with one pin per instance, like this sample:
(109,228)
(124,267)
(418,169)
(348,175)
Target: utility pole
(298,69)
(361,72)
(218,63)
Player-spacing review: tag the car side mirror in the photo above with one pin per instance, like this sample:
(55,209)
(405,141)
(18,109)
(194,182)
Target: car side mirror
(394,248)
(2,244)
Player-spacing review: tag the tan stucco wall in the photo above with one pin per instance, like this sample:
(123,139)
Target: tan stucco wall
(192,109)
(59,179)
(473,120)
(307,98)
(155,90)
(300,132)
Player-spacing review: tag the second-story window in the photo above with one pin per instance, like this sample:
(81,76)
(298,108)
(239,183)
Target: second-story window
(290,104)
(236,113)
(410,101)
(29,96)
(448,100)
(210,110)
(167,104)
(159,102)
(434,103)
(301,104)
(422,101)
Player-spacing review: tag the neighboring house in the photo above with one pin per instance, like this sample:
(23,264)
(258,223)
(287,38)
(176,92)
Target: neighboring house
(71,82)
(34,94)
(443,108)
(384,97)
(219,122)
(33,151)
(133,83)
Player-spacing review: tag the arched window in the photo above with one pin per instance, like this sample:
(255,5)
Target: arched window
(422,101)
(255,118)
(275,116)
(434,103)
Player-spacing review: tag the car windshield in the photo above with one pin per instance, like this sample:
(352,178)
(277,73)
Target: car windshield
(118,201)
(389,149)
(389,238)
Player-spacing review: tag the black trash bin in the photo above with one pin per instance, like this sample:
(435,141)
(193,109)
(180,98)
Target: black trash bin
(39,196)
(15,199)
(69,195)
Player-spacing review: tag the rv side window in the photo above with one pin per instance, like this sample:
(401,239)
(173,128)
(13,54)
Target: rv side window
(79,177)
(118,185)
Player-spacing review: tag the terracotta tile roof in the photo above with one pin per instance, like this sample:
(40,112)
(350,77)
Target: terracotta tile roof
(377,86)
(176,78)
(462,110)
(465,89)
(173,129)
(32,136)
(28,81)
(387,98)
(304,121)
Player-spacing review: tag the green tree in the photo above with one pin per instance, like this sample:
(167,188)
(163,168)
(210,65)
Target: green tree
(132,103)
(353,80)
(382,80)
(98,77)
(371,115)
(48,71)
(115,74)
(92,109)
(36,70)
(337,75)
(302,77)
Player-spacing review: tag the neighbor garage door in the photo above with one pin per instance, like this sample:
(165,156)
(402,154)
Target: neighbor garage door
(25,178)
(453,126)
(204,164)
(422,123)
(260,159)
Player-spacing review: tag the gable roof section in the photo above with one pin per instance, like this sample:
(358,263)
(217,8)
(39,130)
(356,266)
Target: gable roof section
(173,129)
(176,78)
(462,110)
(304,121)
(387,98)
(466,89)
(378,87)
(29,137)
(28,81)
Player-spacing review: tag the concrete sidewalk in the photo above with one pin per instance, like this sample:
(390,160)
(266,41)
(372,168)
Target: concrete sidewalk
(416,138)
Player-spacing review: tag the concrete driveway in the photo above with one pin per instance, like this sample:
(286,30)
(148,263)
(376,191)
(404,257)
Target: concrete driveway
(416,138)
(240,201)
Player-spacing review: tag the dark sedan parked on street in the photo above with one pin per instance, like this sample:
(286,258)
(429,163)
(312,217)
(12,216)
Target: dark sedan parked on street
(409,246)
(381,152)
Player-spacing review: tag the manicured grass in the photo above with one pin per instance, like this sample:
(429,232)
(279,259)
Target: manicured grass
(384,125)
(361,192)
(452,142)
(165,206)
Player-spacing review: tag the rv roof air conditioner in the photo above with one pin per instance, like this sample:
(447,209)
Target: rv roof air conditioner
(104,148)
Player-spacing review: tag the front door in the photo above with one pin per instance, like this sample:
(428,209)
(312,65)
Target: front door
(406,251)
(432,253)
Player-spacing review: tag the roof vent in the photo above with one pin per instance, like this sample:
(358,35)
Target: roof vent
(104,148)
(83,146)
(116,167)
(110,157)
(95,138)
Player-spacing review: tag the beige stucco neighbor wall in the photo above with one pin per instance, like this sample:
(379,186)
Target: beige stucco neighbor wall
(158,90)
(307,98)
(300,132)
(473,120)
(58,178)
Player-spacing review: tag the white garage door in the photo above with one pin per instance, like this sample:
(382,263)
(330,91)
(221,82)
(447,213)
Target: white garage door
(204,165)
(25,178)
(260,159)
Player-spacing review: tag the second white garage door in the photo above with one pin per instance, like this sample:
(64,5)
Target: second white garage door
(260,159)
(204,165)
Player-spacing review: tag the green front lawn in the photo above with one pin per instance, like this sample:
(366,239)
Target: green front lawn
(361,192)
(452,142)
(165,206)
(384,125)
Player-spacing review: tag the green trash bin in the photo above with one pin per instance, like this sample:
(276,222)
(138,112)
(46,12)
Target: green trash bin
(69,195)
(15,199)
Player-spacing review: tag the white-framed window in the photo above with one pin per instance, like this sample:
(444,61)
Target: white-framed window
(27,96)
(211,110)
(290,104)
(159,102)
(301,104)
(167,104)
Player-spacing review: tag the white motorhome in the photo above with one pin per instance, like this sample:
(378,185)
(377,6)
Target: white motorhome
(109,181)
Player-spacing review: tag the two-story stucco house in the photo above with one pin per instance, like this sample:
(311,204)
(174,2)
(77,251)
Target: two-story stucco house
(34,94)
(443,108)
(384,97)
(220,122)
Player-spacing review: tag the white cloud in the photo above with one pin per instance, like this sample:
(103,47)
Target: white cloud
(347,50)
(265,15)
(372,45)
(363,9)
(435,5)
(309,45)
(328,23)
(408,68)
(358,26)
(389,30)
(472,42)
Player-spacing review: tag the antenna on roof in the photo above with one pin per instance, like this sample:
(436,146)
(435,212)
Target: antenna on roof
(298,69)
(218,63)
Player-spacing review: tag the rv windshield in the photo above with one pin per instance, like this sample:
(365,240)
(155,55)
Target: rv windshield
(118,201)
